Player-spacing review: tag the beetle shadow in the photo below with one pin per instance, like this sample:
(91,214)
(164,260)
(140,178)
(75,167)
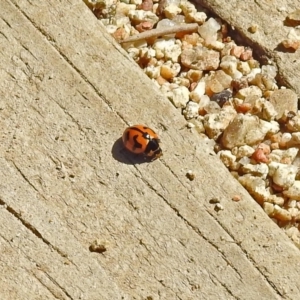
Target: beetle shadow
(121,154)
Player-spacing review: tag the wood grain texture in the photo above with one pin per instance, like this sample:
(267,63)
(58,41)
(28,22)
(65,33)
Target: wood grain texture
(67,93)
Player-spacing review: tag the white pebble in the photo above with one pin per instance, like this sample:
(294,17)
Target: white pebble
(191,111)
(181,97)
(161,45)
(243,67)
(293,191)
(209,30)
(260,170)
(227,158)
(282,174)
(278,155)
(142,16)
(172,10)
(136,2)
(152,71)
(244,150)
(199,91)
(204,101)
(216,123)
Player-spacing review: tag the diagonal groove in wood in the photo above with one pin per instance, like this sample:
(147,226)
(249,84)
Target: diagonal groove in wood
(198,232)
(6,23)
(31,228)
(24,177)
(68,114)
(214,278)
(61,288)
(212,243)
(4,35)
(246,254)
(96,90)
(181,211)
(65,295)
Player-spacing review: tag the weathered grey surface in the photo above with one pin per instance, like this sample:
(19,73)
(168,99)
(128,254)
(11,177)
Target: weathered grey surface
(270,17)
(67,93)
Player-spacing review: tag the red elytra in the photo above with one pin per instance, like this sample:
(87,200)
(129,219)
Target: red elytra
(140,139)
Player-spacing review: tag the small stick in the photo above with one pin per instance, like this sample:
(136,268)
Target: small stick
(162,31)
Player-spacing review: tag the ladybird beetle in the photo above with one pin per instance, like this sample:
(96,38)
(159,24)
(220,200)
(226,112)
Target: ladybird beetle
(141,139)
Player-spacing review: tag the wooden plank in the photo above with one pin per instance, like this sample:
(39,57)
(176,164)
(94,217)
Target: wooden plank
(67,93)
(31,268)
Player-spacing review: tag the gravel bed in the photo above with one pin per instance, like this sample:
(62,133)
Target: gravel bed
(223,92)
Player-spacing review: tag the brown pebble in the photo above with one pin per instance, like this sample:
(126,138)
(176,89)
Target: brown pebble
(246,55)
(277,188)
(265,148)
(261,153)
(274,146)
(227,39)
(291,44)
(268,94)
(202,111)
(282,215)
(194,75)
(147,5)
(237,51)
(98,247)
(144,26)
(236,198)
(224,31)
(190,175)
(191,39)
(218,207)
(253,28)
(193,85)
(276,138)
(200,58)
(259,156)
(293,19)
(214,200)
(238,84)
(243,108)
(160,80)
(284,100)
(161,7)
(120,34)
